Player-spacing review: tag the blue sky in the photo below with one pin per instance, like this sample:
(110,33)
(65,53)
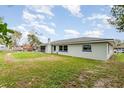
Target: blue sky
(60,22)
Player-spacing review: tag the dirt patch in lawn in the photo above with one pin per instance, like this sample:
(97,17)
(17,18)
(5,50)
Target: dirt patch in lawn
(80,80)
(9,58)
(102,77)
(86,79)
(27,84)
(48,58)
(103,83)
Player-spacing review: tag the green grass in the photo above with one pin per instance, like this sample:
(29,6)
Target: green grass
(64,72)
(120,57)
(23,55)
(2,53)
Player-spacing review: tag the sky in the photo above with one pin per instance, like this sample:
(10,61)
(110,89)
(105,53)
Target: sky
(60,22)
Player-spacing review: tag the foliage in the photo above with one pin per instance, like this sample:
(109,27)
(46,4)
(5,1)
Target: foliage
(117,19)
(5,34)
(1,20)
(33,40)
(117,42)
(16,36)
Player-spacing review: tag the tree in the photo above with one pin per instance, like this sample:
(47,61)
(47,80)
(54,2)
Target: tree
(117,42)
(5,33)
(1,20)
(16,36)
(33,40)
(117,19)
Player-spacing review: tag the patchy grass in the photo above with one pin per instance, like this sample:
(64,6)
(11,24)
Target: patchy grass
(60,71)
(119,57)
(2,53)
(24,55)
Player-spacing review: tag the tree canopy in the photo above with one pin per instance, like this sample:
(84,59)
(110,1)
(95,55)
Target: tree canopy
(16,36)
(33,40)
(117,19)
(5,37)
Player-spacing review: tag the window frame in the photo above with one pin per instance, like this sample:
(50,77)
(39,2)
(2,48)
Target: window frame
(86,50)
(54,48)
(63,49)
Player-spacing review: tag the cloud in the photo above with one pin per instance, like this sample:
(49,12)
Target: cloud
(71,33)
(98,17)
(53,24)
(42,27)
(48,29)
(94,33)
(30,17)
(104,24)
(74,10)
(99,25)
(43,39)
(100,21)
(44,9)
(38,29)
(36,19)
(21,28)
(110,6)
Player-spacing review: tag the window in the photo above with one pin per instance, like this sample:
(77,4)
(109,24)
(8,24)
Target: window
(60,48)
(63,48)
(42,48)
(54,48)
(87,48)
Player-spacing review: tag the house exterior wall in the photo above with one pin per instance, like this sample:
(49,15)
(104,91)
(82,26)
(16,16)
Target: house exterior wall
(99,51)
(110,50)
(48,49)
(3,47)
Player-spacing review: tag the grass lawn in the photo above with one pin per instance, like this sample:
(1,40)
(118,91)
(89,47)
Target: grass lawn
(58,71)
(120,57)
(23,55)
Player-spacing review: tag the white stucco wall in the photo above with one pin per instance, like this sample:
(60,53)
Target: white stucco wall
(3,47)
(99,51)
(48,48)
(110,50)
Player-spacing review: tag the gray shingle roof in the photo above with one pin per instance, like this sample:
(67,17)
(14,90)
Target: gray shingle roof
(80,40)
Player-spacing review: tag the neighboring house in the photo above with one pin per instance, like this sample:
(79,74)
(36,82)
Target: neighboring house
(27,47)
(85,47)
(18,48)
(3,47)
(119,48)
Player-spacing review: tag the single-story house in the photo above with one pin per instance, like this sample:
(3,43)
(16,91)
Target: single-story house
(119,48)
(85,47)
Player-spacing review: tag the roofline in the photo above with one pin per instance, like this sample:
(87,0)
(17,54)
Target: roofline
(73,43)
(60,42)
(99,39)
